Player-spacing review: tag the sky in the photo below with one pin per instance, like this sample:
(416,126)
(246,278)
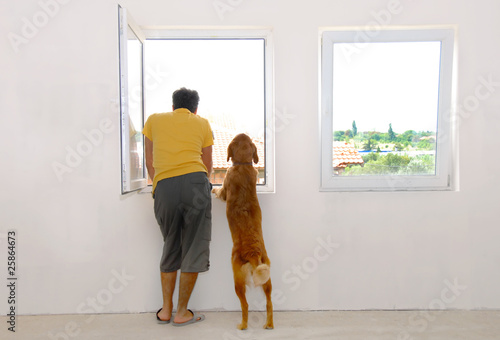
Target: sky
(228,75)
(386,83)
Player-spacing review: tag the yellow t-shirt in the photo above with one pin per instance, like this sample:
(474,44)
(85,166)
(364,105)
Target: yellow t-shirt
(178,138)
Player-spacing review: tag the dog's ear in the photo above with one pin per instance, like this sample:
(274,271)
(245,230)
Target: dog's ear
(229,151)
(255,155)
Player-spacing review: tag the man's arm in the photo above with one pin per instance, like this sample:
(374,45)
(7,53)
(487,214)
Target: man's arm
(206,157)
(149,157)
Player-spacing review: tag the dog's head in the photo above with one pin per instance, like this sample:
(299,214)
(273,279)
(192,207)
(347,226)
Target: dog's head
(242,150)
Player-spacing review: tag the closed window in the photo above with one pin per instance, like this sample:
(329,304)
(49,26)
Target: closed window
(386,110)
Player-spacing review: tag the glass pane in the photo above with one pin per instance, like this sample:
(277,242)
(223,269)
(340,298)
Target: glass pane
(385,107)
(135,93)
(229,76)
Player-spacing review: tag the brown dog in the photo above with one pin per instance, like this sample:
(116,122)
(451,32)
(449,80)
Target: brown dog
(249,257)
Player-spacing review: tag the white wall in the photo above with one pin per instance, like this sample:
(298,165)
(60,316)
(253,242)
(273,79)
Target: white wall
(75,236)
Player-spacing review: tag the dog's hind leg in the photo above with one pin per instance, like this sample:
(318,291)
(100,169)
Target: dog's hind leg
(268,287)
(240,288)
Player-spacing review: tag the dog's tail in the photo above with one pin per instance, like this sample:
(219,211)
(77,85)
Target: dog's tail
(261,274)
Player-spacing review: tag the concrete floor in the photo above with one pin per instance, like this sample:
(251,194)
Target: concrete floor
(352,325)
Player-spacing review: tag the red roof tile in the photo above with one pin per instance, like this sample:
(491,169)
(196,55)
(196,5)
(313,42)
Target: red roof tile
(345,154)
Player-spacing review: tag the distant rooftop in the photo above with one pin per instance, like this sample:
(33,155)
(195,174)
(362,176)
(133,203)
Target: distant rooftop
(345,154)
(222,137)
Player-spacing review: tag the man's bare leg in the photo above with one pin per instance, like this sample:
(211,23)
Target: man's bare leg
(186,285)
(167,288)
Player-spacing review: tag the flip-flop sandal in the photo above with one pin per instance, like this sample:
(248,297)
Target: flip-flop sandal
(160,320)
(196,318)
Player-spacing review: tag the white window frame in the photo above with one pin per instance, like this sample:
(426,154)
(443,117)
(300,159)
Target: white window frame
(127,183)
(445,176)
(166,32)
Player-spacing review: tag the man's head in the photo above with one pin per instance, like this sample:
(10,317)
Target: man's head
(184,98)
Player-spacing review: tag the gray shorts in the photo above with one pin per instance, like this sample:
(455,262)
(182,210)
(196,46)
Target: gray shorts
(183,209)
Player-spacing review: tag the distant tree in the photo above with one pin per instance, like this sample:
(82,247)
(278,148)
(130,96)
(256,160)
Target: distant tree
(398,147)
(354,128)
(424,144)
(338,135)
(371,157)
(396,161)
(420,165)
(368,145)
(383,165)
(348,133)
(408,136)
(391,133)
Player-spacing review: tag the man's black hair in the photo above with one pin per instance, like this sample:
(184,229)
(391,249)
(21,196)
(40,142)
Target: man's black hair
(185,99)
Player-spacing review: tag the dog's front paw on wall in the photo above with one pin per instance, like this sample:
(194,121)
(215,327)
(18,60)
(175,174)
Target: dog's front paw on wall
(216,191)
(219,193)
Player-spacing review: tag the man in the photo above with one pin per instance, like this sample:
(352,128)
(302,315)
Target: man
(179,160)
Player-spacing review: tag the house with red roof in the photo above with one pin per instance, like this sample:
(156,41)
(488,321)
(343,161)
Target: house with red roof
(222,137)
(343,155)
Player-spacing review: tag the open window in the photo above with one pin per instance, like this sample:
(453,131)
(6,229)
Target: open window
(131,44)
(386,110)
(232,71)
